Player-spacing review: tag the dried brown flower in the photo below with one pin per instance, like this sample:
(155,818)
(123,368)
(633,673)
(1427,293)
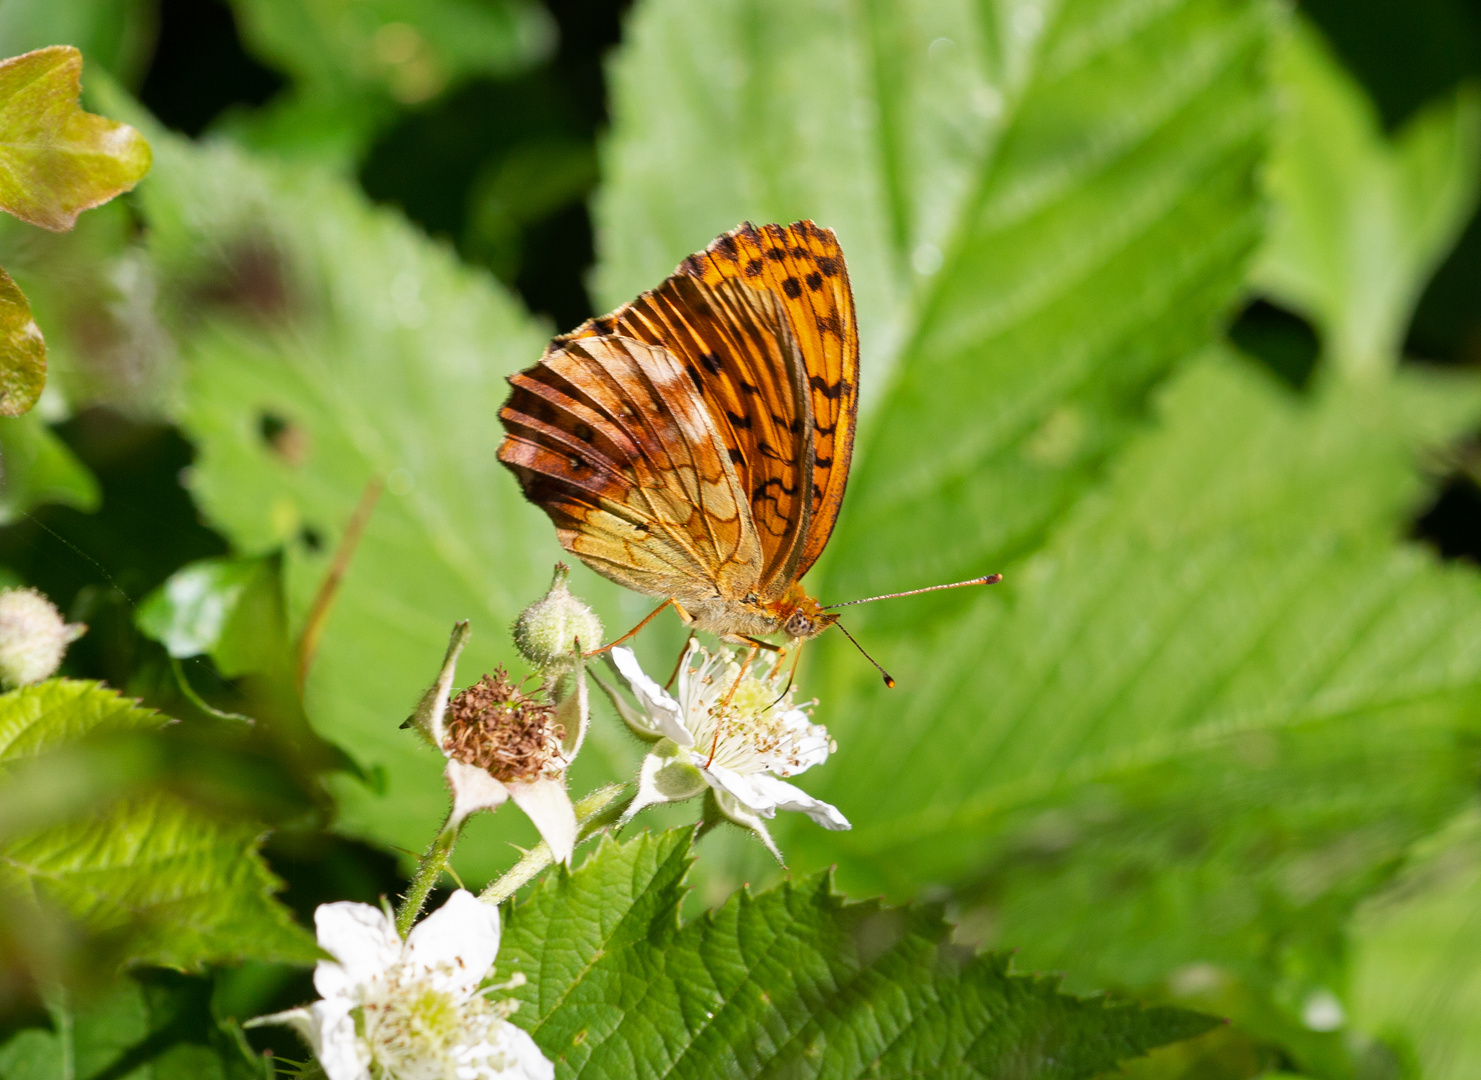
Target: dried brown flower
(496,726)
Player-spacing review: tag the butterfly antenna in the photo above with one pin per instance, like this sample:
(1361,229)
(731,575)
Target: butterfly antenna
(888,681)
(990,579)
(791,675)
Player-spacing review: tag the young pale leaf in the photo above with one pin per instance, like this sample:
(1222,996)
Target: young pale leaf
(22,358)
(37,468)
(791,982)
(185,888)
(58,160)
(1417,956)
(1044,207)
(1362,220)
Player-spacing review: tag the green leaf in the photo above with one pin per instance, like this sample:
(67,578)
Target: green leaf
(791,982)
(178,888)
(355,61)
(228,609)
(1362,220)
(328,345)
(1416,979)
(158,1026)
(37,468)
(56,160)
(1201,723)
(1043,209)
(22,355)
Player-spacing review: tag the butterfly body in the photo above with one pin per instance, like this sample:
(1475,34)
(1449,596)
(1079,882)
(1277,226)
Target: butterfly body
(694,444)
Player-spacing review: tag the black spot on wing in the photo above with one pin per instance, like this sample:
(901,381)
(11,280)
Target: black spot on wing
(711,362)
(741,422)
(831,391)
(792,287)
(814,281)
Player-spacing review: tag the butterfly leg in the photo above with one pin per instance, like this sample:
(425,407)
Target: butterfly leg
(720,712)
(646,620)
(757,643)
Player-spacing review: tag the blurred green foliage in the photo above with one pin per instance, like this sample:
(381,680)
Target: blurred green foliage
(1136,286)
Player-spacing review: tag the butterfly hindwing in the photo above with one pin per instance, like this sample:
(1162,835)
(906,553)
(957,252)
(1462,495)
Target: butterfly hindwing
(763,320)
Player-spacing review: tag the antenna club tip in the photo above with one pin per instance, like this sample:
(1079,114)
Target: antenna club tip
(889,682)
(992,579)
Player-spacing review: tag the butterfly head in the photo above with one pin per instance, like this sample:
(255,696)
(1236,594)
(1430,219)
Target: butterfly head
(800,616)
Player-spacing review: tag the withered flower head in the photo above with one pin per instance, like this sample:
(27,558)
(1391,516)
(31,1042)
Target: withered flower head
(494,725)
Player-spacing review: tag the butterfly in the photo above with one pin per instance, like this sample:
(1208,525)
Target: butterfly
(694,444)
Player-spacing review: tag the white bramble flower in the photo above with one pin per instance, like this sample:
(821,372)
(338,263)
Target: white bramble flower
(733,731)
(33,637)
(412,1010)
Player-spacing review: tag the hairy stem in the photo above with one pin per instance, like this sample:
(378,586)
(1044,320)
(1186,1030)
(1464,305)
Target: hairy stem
(596,813)
(428,871)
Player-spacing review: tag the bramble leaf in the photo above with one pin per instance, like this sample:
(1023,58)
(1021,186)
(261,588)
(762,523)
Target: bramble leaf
(1362,220)
(181,888)
(1044,208)
(790,982)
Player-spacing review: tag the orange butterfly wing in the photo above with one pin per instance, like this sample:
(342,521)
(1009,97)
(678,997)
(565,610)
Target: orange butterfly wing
(608,437)
(763,322)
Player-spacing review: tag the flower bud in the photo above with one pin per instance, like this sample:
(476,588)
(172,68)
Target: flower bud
(33,637)
(550,630)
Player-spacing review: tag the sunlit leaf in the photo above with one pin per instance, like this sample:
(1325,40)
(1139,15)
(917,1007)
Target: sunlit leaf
(56,160)
(1200,724)
(37,468)
(174,886)
(330,348)
(1044,207)
(790,982)
(1362,219)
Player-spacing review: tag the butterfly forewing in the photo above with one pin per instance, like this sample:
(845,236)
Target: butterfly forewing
(695,443)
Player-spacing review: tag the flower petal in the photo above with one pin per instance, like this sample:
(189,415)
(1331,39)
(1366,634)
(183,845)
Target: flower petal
(456,944)
(785,796)
(522,1058)
(662,709)
(363,940)
(341,1052)
(738,787)
(474,789)
(548,805)
(743,816)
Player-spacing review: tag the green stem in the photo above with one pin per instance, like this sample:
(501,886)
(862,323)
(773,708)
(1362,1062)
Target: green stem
(428,871)
(595,813)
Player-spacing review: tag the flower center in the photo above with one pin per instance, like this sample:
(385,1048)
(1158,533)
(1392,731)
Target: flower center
(761,727)
(416,1031)
(496,726)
